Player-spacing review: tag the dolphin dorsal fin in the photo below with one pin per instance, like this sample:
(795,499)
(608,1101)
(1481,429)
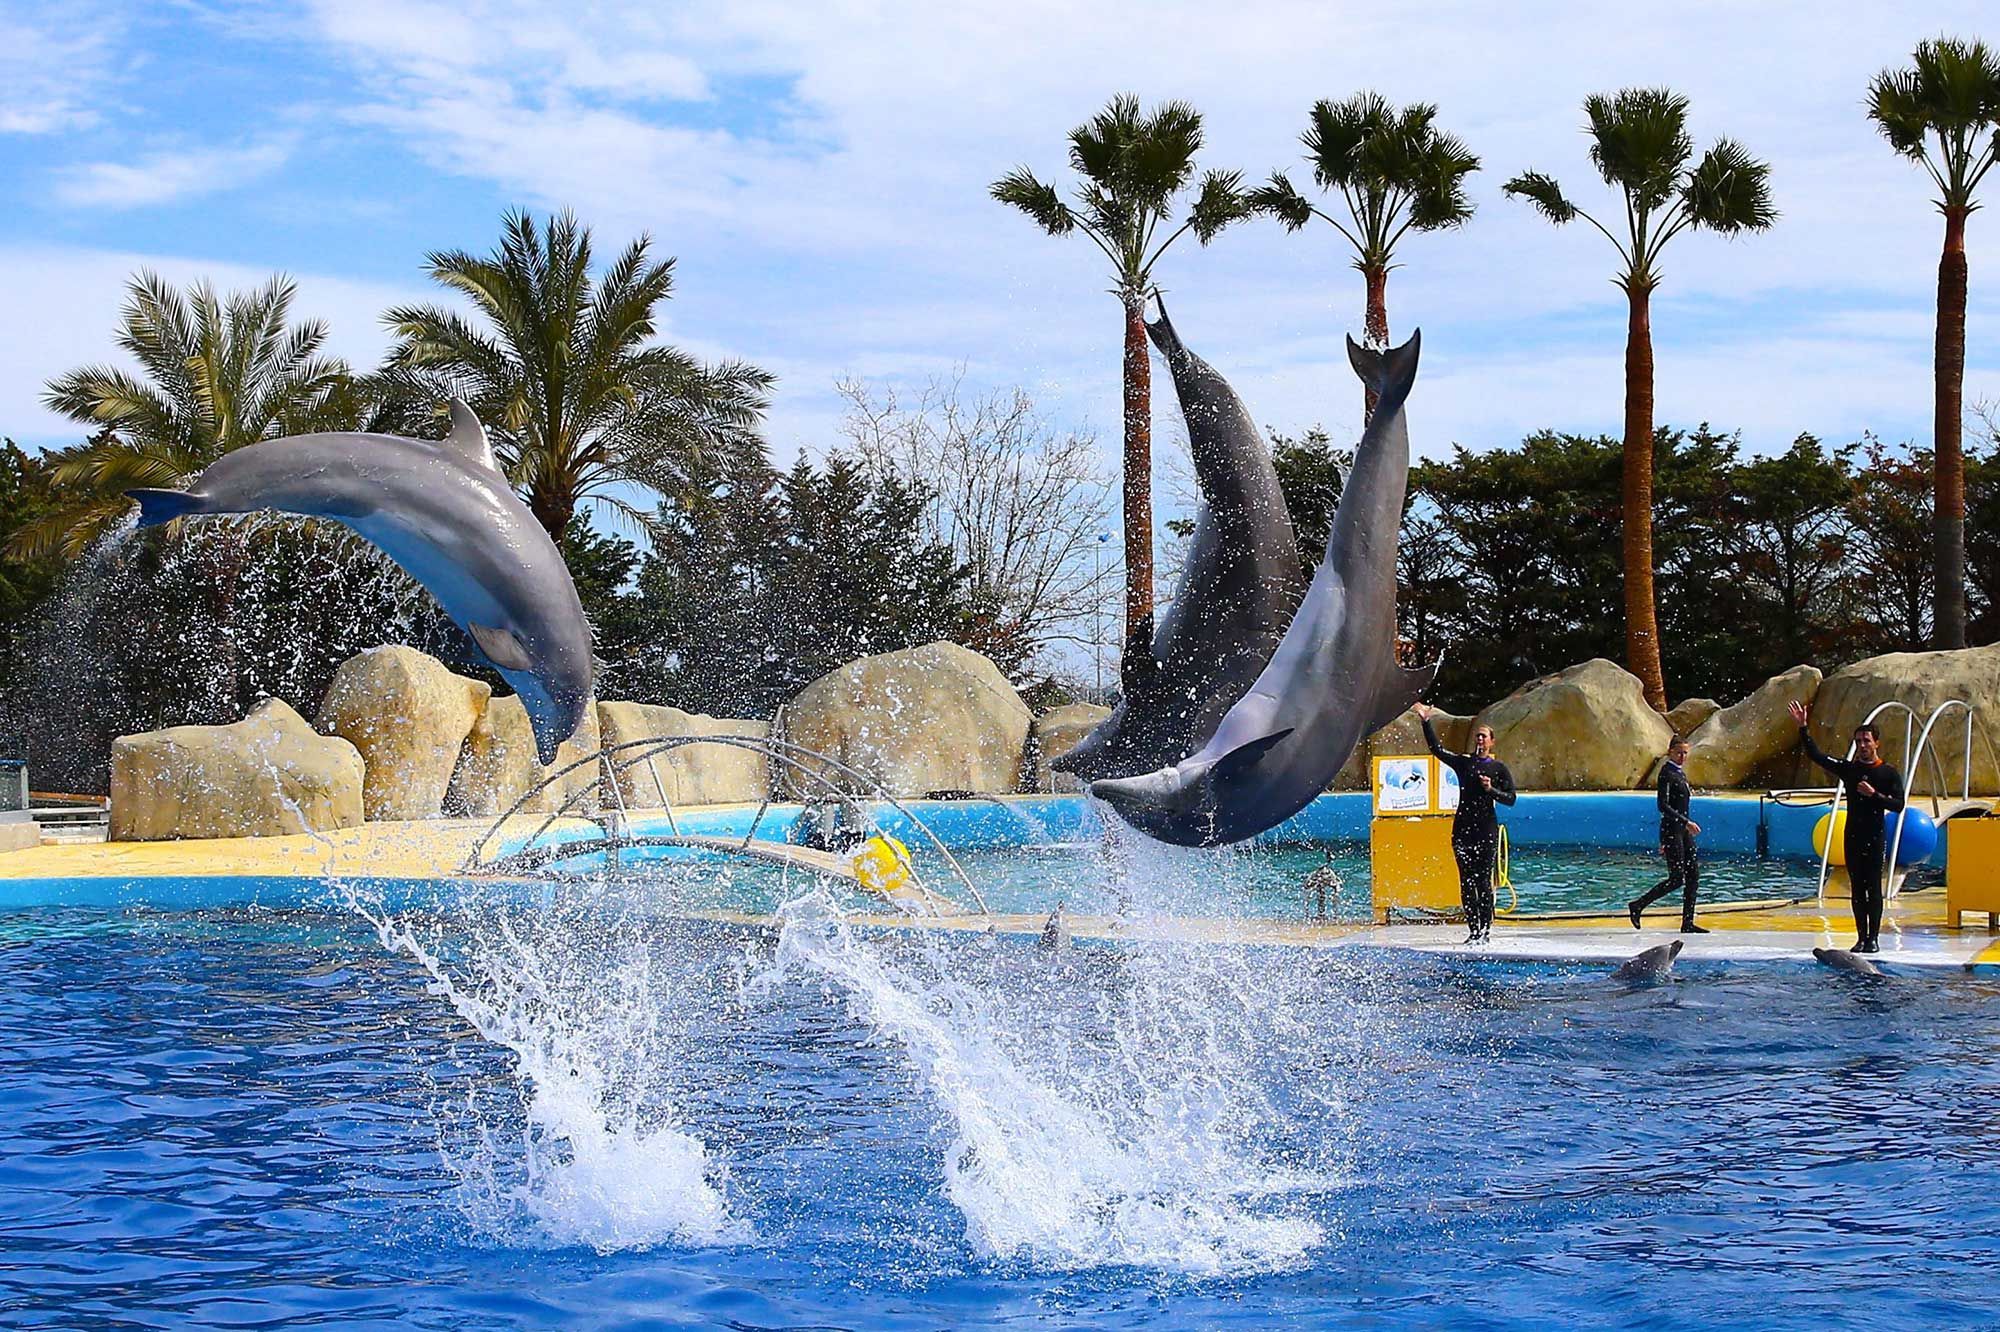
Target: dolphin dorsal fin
(468,438)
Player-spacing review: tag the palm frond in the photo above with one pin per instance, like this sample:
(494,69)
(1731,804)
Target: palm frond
(1729,191)
(1639,141)
(1219,202)
(1281,200)
(1543,192)
(1019,189)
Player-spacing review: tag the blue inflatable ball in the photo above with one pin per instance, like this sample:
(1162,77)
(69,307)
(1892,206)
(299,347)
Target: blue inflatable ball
(1919,838)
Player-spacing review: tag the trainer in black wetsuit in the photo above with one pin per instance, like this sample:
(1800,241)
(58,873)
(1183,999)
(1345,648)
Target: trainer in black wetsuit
(1865,840)
(1677,832)
(1475,828)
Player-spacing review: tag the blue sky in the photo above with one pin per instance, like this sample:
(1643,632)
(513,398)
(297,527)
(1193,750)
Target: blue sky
(820,172)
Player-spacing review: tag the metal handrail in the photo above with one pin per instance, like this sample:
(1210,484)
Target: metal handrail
(783,751)
(1921,743)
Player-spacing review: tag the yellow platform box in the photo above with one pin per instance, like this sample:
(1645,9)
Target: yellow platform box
(1409,838)
(1972,869)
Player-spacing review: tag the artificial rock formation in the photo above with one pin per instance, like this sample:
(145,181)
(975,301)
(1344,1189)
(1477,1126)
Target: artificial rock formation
(499,765)
(1687,715)
(265,776)
(692,774)
(1746,739)
(1923,681)
(409,715)
(1588,728)
(934,718)
(1058,731)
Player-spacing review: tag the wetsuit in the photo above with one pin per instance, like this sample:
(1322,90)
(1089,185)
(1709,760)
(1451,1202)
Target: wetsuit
(1676,844)
(1864,842)
(1475,828)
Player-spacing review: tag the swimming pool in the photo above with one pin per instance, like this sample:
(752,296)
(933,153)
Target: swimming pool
(584,1115)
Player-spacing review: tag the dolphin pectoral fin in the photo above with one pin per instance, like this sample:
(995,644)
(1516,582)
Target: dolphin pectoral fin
(500,647)
(1246,755)
(163,506)
(1401,689)
(468,439)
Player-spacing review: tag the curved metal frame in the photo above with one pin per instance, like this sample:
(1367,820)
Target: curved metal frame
(783,751)
(1911,758)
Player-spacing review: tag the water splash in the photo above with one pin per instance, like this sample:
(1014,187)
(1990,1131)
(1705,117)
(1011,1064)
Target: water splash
(581,994)
(1109,1109)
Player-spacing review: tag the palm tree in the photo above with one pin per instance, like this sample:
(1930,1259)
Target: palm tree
(1396,172)
(1951,90)
(1134,167)
(1641,147)
(564,370)
(216,373)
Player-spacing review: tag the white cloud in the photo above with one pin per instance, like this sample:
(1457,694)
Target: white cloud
(169,175)
(54,59)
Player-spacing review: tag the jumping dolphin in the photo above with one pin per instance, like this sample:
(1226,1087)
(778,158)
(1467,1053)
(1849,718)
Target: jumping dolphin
(1842,960)
(444,512)
(1650,967)
(1241,583)
(1334,677)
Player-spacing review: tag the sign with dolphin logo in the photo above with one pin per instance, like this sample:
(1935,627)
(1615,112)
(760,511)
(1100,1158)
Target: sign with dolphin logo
(445,512)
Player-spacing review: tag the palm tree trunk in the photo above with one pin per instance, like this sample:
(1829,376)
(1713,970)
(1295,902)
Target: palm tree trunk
(553,507)
(1642,630)
(1138,490)
(1374,326)
(1948,455)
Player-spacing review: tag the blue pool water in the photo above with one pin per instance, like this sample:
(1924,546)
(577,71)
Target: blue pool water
(581,1113)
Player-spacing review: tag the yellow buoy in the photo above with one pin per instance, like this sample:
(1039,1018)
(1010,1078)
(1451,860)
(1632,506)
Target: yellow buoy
(1837,821)
(882,864)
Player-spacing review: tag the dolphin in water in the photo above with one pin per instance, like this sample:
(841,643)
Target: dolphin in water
(1241,583)
(1333,678)
(1842,960)
(445,512)
(1651,967)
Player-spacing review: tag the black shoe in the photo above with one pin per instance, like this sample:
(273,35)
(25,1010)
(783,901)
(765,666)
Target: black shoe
(1689,927)
(1472,938)
(1869,946)
(1632,910)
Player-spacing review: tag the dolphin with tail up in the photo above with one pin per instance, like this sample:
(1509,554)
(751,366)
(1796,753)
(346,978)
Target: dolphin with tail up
(1238,589)
(1334,677)
(445,512)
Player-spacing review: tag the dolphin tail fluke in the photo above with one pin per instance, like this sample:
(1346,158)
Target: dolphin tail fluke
(1390,371)
(163,506)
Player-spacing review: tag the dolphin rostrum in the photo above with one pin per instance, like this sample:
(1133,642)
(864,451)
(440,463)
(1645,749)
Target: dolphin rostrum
(1650,967)
(1842,960)
(1333,678)
(445,512)
(1241,583)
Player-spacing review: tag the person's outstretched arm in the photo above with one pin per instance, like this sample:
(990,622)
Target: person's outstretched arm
(1437,747)
(1503,784)
(1841,768)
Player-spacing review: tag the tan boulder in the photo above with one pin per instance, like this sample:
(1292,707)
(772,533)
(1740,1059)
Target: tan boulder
(266,776)
(1587,728)
(409,716)
(934,718)
(690,774)
(1687,715)
(1923,681)
(1058,731)
(1744,739)
(500,765)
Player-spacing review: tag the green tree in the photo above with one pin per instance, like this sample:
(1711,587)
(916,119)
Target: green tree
(1395,171)
(1790,521)
(1893,567)
(562,366)
(1134,167)
(1311,472)
(1951,92)
(216,373)
(1641,147)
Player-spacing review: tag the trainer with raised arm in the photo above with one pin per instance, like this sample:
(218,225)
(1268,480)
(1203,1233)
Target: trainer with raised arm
(1483,782)
(1874,790)
(1677,834)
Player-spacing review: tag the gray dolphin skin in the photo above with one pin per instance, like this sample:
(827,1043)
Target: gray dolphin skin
(444,512)
(1842,960)
(1333,678)
(1650,967)
(1241,583)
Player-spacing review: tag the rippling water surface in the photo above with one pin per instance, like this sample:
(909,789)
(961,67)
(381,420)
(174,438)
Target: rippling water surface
(584,1114)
